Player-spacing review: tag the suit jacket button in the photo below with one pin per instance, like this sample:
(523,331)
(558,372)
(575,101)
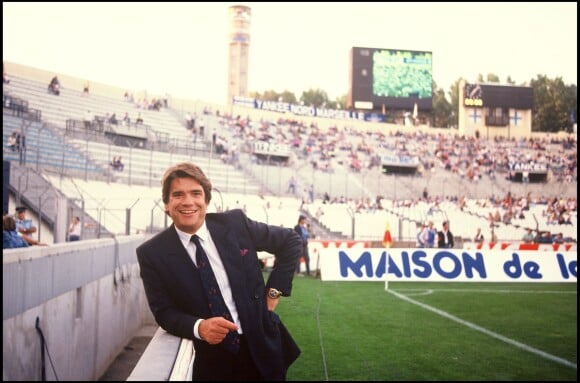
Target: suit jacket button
(256,296)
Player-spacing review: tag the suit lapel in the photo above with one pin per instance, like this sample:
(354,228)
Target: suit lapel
(177,259)
(227,245)
(225,242)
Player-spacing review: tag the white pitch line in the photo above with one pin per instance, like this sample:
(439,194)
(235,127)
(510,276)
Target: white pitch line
(488,332)
(496,291)
(320,338)
(416,293)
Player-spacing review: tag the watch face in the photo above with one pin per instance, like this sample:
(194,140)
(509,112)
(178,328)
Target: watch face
(274,294)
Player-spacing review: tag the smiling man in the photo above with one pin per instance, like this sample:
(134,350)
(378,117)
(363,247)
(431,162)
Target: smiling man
(203,281)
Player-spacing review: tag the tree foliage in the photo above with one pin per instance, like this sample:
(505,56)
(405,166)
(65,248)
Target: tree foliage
(442,109)
(314,97)
(554,104)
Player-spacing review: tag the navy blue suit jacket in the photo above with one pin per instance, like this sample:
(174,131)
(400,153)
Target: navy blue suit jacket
(177,300)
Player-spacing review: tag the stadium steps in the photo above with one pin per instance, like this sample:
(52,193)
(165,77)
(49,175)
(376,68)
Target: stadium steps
(33,190)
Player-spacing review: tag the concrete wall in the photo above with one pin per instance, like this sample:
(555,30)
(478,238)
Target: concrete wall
(87,300)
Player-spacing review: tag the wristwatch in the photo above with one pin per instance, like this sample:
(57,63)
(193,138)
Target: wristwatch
(274,294)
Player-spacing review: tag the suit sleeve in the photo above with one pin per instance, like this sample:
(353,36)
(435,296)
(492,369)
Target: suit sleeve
(169,312)
(286,246)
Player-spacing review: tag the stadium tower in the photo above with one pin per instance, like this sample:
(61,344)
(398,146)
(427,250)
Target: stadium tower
(239,46)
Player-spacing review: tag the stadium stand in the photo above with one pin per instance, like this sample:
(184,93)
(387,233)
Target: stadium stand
(464,179)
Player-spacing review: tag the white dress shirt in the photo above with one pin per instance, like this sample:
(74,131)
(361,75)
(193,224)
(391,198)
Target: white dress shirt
(217,267)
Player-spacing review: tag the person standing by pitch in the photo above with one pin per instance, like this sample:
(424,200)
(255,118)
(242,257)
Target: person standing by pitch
(246,340)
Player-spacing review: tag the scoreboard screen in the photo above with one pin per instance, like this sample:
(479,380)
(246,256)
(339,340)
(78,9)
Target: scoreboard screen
(397,79)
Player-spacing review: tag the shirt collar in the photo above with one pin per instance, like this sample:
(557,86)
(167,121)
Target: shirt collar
(202,233)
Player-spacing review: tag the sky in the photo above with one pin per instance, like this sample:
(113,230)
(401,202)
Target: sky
(181,48)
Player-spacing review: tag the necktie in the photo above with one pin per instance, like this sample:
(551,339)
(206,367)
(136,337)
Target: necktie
(216,302)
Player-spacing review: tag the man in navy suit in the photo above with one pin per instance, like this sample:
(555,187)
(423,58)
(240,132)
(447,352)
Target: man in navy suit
(231,241)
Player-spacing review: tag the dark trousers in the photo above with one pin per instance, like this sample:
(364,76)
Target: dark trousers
(229,366)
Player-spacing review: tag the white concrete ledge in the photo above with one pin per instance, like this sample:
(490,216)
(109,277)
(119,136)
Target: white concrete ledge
(166,358)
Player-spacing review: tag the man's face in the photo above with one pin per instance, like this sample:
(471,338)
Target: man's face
(186,206)
(21,215)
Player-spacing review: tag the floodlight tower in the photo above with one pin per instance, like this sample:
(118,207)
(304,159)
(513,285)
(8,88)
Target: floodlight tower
(239,46)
